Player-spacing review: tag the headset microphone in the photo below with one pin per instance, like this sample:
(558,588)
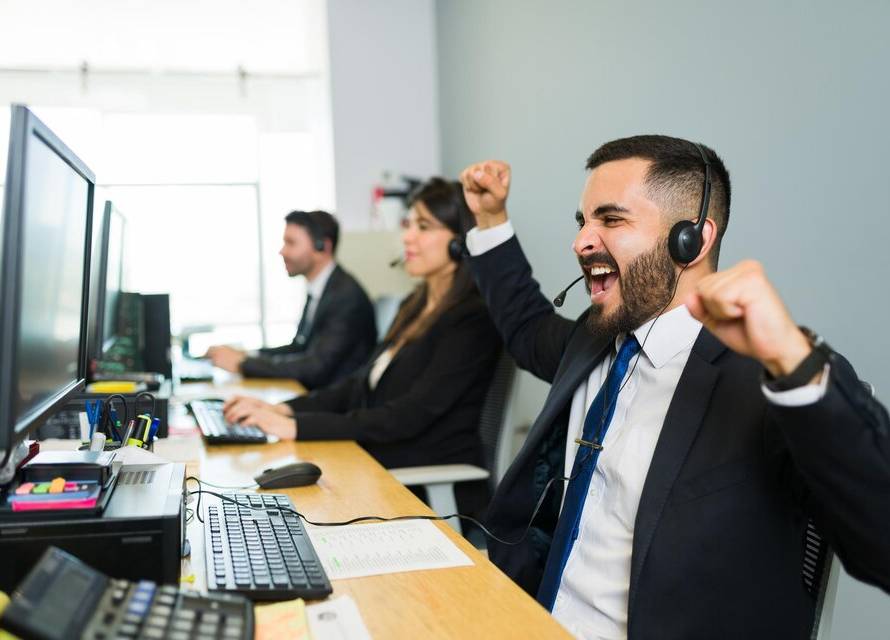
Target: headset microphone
(561,297)
(395,263)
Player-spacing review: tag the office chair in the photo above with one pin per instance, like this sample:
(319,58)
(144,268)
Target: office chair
(822,565)
(496,430)
(826,598)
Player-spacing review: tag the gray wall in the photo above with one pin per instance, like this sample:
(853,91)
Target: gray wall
(794,96)
(383,97)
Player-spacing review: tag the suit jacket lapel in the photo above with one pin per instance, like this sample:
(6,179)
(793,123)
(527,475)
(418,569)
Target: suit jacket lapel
(582,354)
(327,293)
(681,425)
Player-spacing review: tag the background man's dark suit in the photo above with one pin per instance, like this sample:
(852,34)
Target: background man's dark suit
(340,339)
(718,539)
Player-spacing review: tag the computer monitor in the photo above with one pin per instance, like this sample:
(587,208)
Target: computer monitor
(107,280)
(45,256)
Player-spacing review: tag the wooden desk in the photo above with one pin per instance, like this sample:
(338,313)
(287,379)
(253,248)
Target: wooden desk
(462,602)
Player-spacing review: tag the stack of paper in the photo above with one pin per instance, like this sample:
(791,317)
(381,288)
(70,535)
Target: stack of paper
(360,550)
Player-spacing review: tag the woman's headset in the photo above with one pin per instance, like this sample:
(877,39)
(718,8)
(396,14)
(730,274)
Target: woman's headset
(457,249)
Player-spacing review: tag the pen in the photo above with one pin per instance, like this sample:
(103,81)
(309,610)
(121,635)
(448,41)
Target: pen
(155,425)
(130,426)
(117,430)
(147,427)
(94,411)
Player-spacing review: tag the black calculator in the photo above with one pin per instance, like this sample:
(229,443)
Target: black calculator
(62,598)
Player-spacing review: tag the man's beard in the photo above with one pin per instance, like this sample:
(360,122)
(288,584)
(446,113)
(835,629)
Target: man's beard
(647,285)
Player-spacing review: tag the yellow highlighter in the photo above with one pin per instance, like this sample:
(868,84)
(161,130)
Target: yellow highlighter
(114,386)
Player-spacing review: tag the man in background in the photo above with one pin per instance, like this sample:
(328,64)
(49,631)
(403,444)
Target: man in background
(336,332)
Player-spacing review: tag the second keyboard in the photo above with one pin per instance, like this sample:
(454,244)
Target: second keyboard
(256,549)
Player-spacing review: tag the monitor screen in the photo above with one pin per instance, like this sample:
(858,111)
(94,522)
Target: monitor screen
(46,228)
(113,276)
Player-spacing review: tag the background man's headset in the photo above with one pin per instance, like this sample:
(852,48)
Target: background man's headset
(307,220)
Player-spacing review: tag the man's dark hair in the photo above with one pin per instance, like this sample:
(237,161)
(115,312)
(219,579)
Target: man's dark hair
(676,177)
(320,225)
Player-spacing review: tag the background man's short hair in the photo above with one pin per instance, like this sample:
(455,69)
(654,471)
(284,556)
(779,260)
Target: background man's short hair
(319,224)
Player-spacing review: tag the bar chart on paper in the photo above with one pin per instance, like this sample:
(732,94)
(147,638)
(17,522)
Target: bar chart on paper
(361,550)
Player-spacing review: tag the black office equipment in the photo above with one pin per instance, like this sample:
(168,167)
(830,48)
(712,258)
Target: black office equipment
(63,598)
(293,474)
(262,552)
(139,535)
(156,349)
(71,465)
(46,246)
(209,416)
(65,423)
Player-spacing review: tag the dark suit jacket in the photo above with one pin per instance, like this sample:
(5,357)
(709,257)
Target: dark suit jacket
(425,408)
(718,538)
(341,336)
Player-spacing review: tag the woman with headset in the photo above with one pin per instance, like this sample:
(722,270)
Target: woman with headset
(417,401)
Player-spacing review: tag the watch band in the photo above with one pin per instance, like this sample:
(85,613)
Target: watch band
(809,367)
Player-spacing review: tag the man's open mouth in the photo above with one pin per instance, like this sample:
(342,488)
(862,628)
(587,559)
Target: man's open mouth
(602,278)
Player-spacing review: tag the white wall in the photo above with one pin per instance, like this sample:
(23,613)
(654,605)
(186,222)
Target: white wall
(383,89)
(793,95)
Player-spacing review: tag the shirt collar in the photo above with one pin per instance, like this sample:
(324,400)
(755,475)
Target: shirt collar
(673,332)
(316,286)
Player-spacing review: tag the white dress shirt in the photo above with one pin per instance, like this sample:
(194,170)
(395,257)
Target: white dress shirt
(379,367)
(593,593)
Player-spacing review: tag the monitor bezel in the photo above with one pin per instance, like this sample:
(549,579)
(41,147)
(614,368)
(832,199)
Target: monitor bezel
(24,124)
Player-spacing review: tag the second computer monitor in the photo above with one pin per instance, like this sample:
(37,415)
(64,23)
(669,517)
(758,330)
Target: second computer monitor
(110,267)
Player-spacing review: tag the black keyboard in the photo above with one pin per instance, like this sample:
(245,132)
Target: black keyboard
(259,551)
(62,598)
(209,416)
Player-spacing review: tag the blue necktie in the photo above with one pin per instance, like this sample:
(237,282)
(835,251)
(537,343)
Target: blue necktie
(595,425)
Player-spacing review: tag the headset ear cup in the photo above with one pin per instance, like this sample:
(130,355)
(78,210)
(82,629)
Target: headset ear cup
(684,243)
(319,244)
(456,249)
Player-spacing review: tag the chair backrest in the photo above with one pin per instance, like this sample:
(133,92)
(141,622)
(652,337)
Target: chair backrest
(385,309)
(496,426)
(825,601)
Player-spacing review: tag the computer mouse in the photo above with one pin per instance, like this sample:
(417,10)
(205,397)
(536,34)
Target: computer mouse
(294,474)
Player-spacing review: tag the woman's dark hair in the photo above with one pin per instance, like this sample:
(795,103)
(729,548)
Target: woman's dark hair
(445,200)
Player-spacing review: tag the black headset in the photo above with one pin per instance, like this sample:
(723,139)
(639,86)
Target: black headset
(307,221)
(457,249)
(685,238)
(315,233)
